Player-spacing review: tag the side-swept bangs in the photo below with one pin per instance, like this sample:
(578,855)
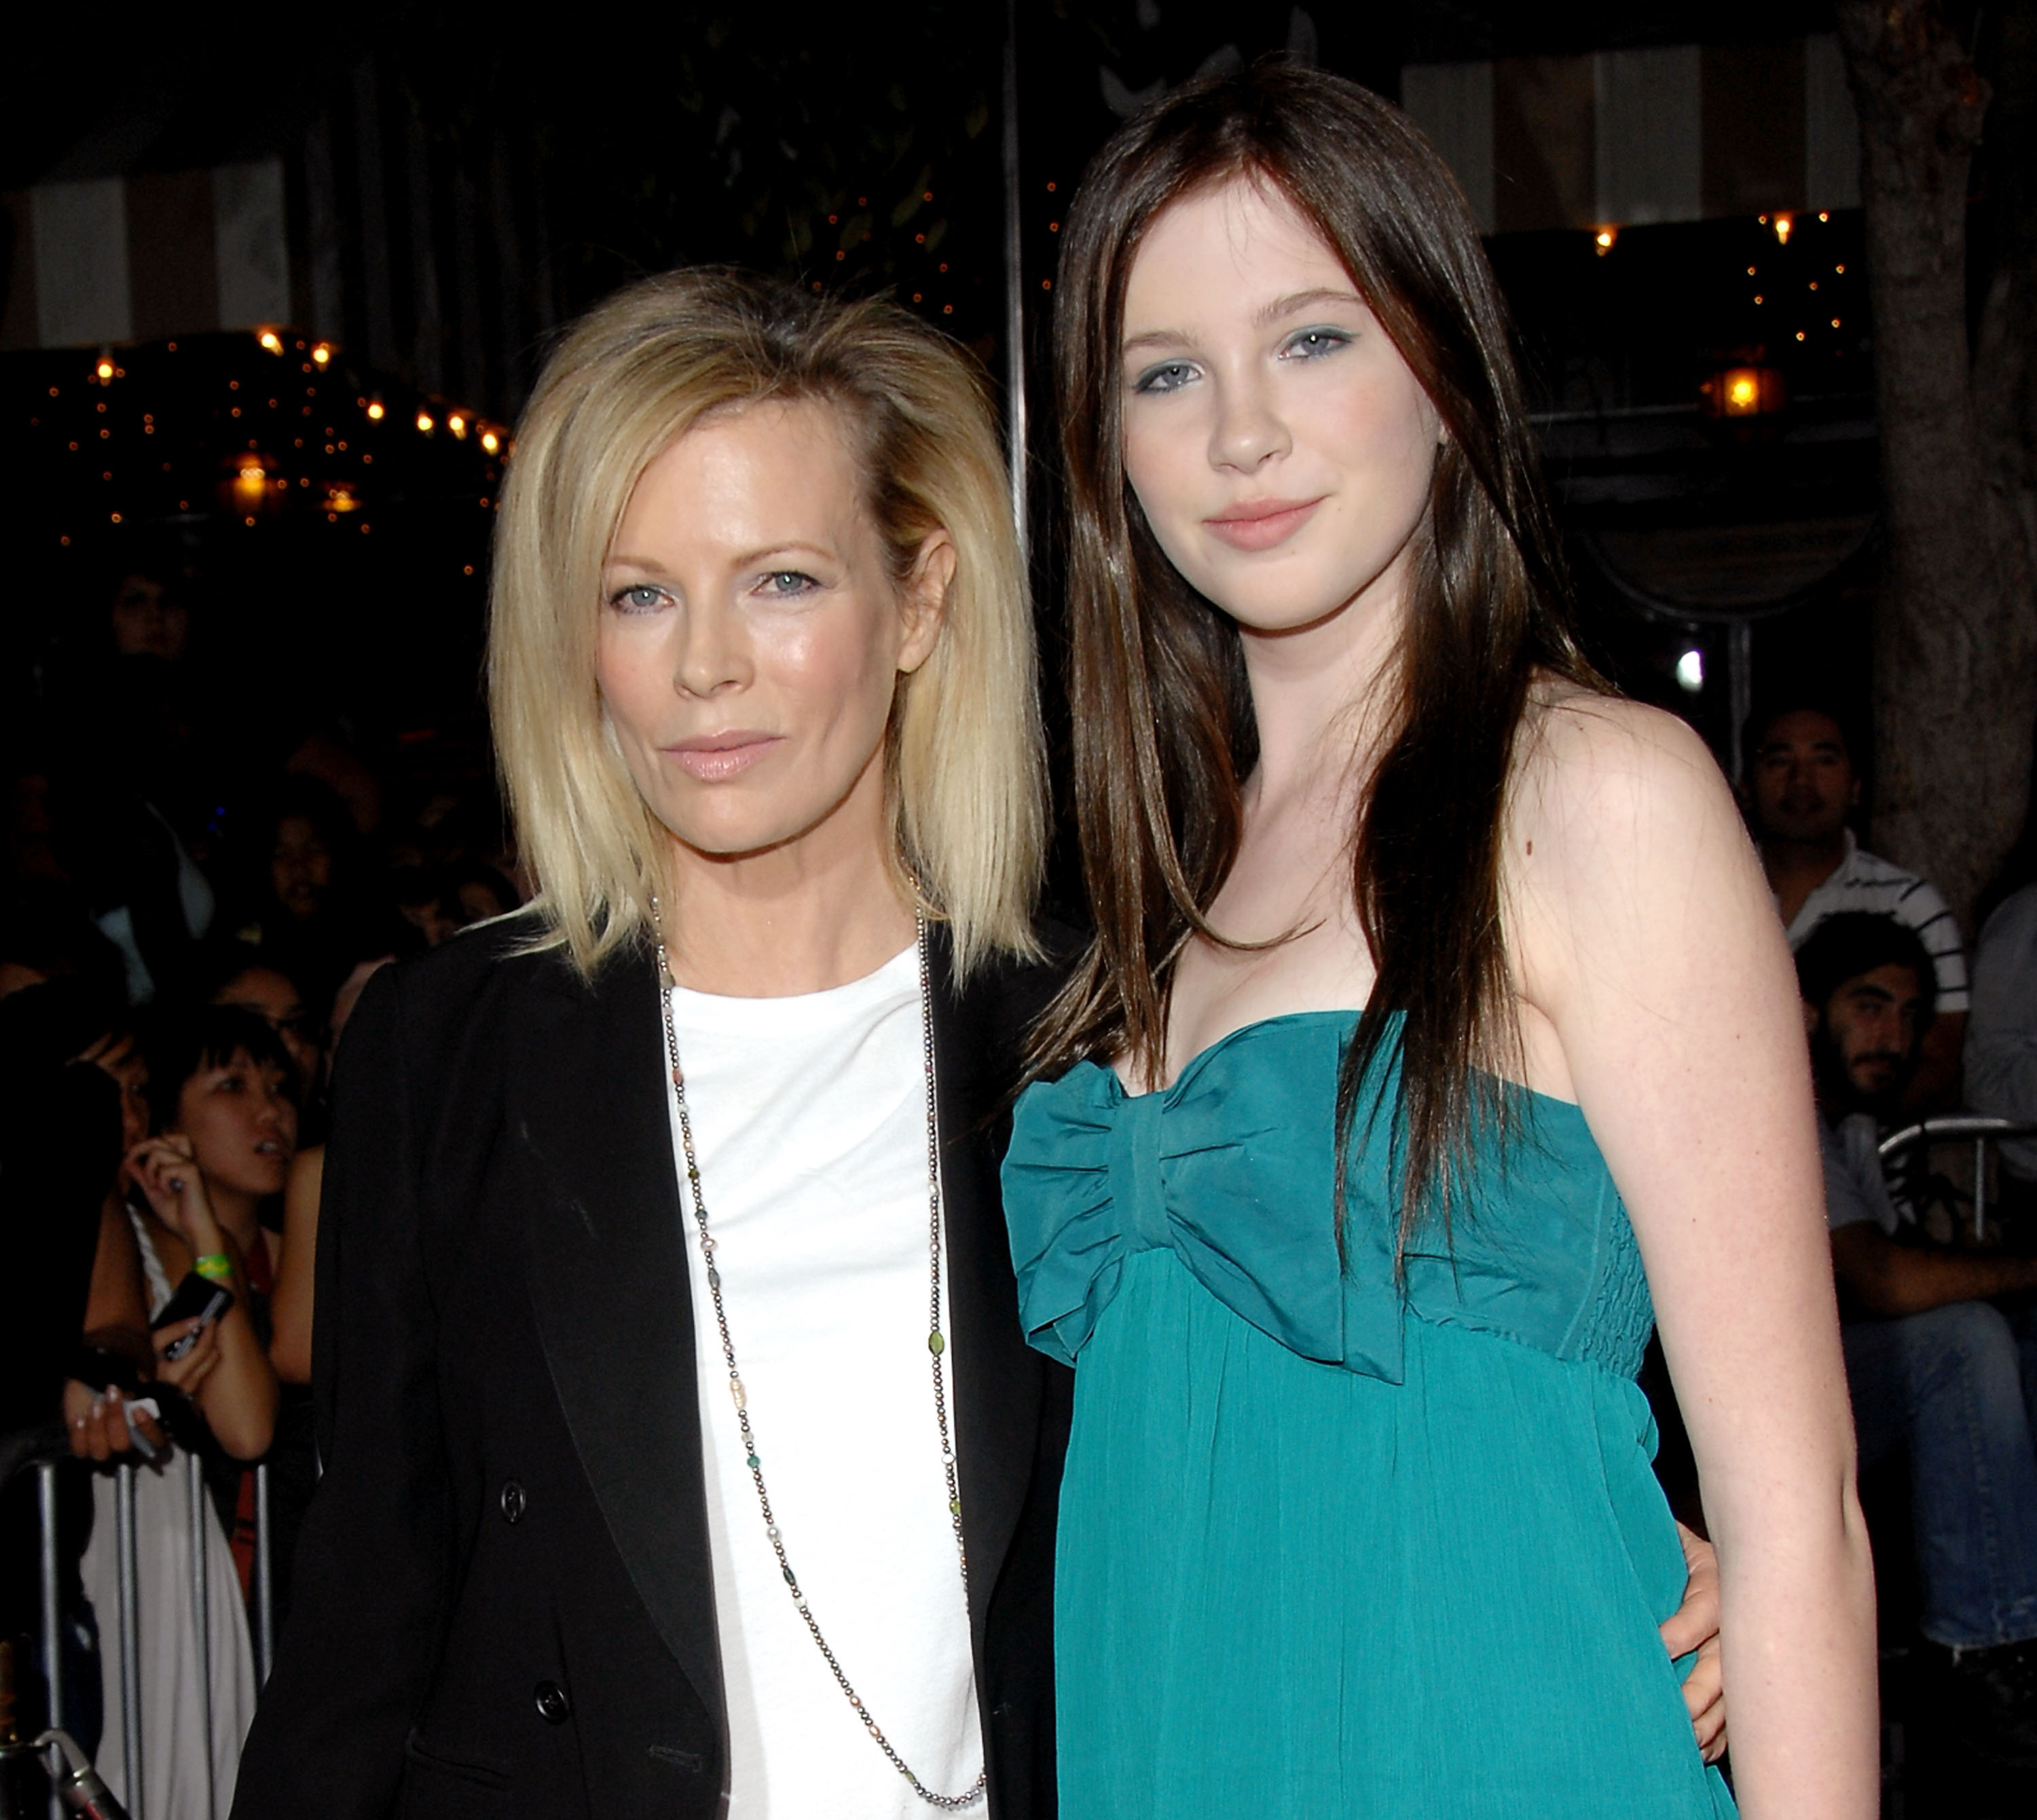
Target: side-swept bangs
(964,767)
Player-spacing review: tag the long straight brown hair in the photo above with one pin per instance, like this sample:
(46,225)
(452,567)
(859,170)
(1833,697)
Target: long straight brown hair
(1162,725)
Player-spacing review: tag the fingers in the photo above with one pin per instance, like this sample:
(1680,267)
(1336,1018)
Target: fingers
(1704,1694)
(1696,1621)
(165,1337)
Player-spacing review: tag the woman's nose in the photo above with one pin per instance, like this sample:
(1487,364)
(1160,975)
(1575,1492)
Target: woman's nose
(1248,431)
(713,651)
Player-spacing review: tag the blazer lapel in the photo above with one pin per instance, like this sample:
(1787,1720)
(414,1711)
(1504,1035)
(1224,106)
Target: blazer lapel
(997,1379)
(606,1264)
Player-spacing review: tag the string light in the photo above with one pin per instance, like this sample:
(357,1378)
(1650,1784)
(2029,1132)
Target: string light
(104,370)
(490,441)
(272,341)
(424,421)
(457,425)
(374,411)
(1823,215)
(1783,225)
(1604,239)
(321,354)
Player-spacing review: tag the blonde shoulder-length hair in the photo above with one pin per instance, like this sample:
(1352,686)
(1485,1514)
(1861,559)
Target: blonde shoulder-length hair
(964,769)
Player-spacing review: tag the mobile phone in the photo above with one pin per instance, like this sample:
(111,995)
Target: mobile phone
(196,1296)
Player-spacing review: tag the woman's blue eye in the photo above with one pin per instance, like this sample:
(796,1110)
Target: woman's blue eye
(1312,343)
(643,598)
(1169,376)
(788,584)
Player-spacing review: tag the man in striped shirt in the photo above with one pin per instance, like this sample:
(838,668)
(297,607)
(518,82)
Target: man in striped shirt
(1801,787)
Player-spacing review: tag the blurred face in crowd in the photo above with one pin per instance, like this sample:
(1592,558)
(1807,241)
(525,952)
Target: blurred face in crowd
(1280,448)
(148,620)
(1866,1034)
(120,1056)
(271,996)
(1802,780)
(242,1123)
(300,867)
(752,634)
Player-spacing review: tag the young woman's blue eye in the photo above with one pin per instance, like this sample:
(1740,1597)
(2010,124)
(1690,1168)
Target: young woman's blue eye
(1169,376)
(642,598)
(787,583)
(1313,343)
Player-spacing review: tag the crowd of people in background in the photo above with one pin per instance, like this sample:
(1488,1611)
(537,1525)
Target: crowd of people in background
(187,914)
(191,901)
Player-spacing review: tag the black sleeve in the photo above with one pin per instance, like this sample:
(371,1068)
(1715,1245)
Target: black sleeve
(370,1591)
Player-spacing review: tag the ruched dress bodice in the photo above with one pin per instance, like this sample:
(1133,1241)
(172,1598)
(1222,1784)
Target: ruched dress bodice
(1334,1542)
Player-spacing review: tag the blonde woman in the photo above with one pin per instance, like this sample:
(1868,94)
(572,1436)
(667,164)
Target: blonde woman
(683,1454)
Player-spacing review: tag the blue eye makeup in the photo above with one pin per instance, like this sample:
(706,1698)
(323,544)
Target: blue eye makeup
(1166,376)
(1313,343)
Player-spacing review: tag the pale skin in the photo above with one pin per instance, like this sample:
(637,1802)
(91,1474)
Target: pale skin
(752,636)
(1281,450)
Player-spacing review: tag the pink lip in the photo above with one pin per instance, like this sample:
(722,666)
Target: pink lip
(1263,523)
(714,758)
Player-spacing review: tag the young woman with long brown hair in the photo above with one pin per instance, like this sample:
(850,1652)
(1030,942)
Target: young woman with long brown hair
(1435,993)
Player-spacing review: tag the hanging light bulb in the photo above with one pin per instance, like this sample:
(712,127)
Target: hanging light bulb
(1690,671)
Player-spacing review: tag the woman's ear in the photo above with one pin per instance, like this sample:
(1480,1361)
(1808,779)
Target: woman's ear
(923,602)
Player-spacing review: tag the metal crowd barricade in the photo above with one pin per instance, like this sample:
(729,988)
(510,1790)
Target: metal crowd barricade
(42,1451)
(1960,1127)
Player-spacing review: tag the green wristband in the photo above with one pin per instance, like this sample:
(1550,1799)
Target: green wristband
(215,1266)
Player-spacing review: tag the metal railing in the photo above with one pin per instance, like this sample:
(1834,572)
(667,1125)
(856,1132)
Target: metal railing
(1957,1128)
(43,1451)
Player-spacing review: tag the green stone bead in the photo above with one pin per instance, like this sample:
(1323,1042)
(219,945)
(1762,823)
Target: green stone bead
(752,1462)
(935,1344)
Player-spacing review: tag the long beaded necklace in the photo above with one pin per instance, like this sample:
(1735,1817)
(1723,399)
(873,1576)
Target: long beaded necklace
(936,1344)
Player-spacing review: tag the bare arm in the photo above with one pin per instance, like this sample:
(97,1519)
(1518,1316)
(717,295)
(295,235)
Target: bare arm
(290,1308)
(237,1397)
(1885,1280)
(1648,949)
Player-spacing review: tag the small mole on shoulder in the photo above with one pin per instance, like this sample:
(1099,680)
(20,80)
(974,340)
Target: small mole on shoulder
(1531,849)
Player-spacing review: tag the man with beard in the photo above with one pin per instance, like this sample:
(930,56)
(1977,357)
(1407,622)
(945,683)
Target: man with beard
(1933,1363)
(1801,786)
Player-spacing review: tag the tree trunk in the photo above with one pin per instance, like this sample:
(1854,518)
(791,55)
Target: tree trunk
(1955,635)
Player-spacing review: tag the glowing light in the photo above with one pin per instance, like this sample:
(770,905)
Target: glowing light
(250,486)
(374,411)
(1743,392)
(340,497)
(104,370)
(1835,321)
(457,425)
(272,341)
(1604,239)
(1800,335)
(424,421)
(321,354)
(1823,215)
(1690,671)
(1783,225)
(1840,269)
(490,441)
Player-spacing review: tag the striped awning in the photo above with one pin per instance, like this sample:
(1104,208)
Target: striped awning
(141,257)
(1622,139)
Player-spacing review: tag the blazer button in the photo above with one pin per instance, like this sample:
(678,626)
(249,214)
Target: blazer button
(554,1707)
(514,1503)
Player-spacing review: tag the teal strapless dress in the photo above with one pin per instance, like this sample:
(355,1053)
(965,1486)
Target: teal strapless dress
(1330,1546)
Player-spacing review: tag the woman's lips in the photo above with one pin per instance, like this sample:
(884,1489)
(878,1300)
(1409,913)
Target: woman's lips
(1262,524)
(714,758)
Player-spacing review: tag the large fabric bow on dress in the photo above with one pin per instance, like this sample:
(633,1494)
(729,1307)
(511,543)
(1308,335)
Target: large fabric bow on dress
(1209,1168)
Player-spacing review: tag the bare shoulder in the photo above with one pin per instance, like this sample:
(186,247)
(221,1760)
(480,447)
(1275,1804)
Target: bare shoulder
(1590,763)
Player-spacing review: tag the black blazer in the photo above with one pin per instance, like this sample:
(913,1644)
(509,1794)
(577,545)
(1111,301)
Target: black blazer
(503,1600)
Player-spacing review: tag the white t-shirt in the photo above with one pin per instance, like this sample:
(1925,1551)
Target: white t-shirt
(809,1117)
(1864,881)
